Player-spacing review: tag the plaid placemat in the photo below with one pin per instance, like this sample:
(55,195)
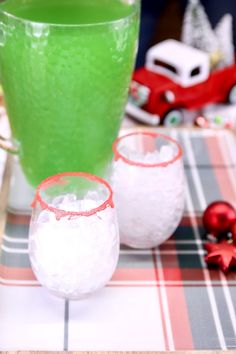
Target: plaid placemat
(159,299)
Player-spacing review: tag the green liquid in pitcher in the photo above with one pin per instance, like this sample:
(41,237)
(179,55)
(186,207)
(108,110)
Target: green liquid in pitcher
(66,86)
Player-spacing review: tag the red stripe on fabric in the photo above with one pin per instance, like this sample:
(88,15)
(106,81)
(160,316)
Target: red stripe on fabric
(189,285)
(231,276)
(21,285)
(134,274)
(170,261)
(222,175)
(179,319)
(167,346)
(16,273)
(178,310)
(229,159)
(18,219)
(216,275)
(121,274)
(148,143)
(186,220)
(172,274)
(121,285)
(168,246)
(192,274)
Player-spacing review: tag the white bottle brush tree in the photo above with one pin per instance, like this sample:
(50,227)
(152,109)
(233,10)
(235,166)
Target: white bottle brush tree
(198,33)
(224,33)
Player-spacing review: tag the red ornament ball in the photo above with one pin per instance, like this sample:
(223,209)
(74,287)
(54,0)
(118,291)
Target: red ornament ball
(218,218)
(233,231)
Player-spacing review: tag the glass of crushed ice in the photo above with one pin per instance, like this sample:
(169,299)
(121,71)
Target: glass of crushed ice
(148,185)
(73,238)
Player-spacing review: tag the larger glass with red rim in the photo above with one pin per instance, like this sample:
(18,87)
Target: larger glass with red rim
(148,184)
(73,238)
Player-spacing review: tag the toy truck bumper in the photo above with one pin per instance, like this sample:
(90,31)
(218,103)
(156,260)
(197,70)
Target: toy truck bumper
(141,115)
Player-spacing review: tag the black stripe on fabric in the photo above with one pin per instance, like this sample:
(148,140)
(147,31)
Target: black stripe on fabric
(66,326)
(225,320)
(201,319)
(14,260)
(184,233)
(18,231)
(189,177)
(131,261)
(208,178)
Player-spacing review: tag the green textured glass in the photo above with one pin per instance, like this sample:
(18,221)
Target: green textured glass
(65,69)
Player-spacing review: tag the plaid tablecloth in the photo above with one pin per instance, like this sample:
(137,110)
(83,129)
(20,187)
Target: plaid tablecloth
(159,299)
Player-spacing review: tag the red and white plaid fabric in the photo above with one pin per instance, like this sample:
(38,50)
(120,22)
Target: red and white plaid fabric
(159,299)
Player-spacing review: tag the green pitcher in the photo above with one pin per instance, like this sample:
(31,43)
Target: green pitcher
(65,68)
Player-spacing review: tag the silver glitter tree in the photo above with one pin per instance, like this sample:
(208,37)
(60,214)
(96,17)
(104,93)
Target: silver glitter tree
(197,30)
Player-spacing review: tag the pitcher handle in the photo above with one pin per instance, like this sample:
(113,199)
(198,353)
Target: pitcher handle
(8,145)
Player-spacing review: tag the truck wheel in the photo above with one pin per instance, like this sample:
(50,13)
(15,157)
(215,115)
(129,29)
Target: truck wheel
(232,95)
(173,118)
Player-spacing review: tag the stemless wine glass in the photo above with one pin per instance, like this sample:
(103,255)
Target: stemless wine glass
(148,184)
(73,237)
(65,68)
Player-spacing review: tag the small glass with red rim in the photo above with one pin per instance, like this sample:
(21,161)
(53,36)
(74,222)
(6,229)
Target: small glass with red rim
(148,185)
(73,237)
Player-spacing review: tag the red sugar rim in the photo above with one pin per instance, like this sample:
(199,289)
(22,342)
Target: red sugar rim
(118,155)
(57,179)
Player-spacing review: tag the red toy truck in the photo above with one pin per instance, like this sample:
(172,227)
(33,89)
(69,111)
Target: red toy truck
(177,77)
